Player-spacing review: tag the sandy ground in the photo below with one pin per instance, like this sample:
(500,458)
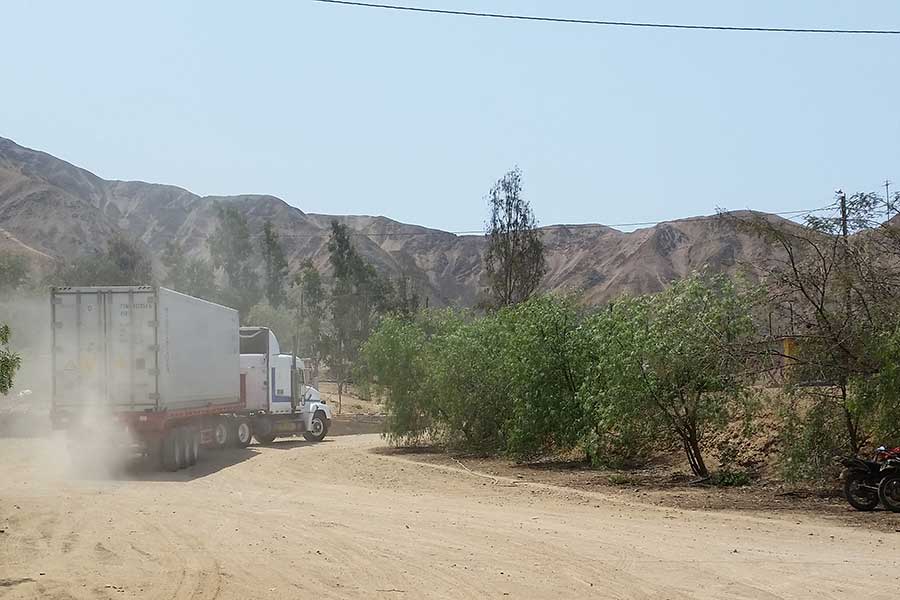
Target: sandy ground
(337,520)
(666,483)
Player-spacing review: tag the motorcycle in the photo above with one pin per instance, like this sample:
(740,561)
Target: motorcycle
(889,486)
(863,479)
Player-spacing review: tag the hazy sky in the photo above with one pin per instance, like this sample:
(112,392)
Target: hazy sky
(352,110)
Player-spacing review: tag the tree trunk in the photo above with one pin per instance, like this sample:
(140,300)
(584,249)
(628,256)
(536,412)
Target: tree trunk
(340,387)
(695,457)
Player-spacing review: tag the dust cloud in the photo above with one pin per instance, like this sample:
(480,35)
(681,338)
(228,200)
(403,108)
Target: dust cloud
(25,410)
(95,446)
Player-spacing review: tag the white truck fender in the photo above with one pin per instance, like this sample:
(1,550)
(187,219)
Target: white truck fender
(319,406)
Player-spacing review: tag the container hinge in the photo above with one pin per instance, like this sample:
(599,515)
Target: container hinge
(153,371)
(153,396)
(152,323)
(57,324)
(153,347)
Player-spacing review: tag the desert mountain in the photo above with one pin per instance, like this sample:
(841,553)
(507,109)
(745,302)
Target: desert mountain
(51,208)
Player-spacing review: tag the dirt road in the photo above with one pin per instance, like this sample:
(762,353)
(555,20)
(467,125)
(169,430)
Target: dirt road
(336,520)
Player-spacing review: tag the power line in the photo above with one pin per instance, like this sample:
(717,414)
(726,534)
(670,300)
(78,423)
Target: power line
(790,214)
(466,13)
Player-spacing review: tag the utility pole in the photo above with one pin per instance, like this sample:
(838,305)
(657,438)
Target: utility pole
(845,253)
(848,307)
(842,197)
(887,198)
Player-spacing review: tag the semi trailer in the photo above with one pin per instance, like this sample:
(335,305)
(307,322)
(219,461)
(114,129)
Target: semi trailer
(168,374)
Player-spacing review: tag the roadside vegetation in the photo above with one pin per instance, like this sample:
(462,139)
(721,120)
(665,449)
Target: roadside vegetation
(692,367)
(546,376)
(9,361)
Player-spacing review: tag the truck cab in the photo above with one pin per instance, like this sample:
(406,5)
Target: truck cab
(277,397)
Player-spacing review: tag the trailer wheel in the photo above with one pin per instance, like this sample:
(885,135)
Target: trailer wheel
(243,434)
(264,438)
(184,447)
(317,428)
(221,433)
(193,438)
(154,455)
(262,431)
(171,450)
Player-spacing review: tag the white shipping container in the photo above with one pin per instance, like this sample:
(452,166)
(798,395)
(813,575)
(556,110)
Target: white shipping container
(141,348)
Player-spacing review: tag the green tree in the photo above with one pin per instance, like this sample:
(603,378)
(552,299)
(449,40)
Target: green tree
(309,298)
(192,276)
(404,297)
(275,265)
(544,366)
(514,261)
(281,321)
(232,251)
(9,361)
(504,382)
(397,354)
(359,294)
(672,362)
(123,262)
(834,288)
(13,272)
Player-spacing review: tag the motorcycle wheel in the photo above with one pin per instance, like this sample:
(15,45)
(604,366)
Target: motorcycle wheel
(889,492)
(860,497)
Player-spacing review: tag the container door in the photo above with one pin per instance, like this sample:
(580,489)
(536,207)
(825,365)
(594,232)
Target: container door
(79,350)
(131,347)
(104,349)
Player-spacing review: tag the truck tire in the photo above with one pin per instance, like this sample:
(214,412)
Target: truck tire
(154,455)
(221,433)
(171,450)
(262,431)
(264,438)
(193,441)
(183,457)
(318,428)
(243,433)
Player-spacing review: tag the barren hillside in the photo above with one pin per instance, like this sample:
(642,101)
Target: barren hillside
(53,207)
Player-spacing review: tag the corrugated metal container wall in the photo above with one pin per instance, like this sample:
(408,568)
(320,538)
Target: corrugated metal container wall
(137,348)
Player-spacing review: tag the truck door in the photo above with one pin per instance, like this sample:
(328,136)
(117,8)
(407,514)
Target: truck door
(281,383)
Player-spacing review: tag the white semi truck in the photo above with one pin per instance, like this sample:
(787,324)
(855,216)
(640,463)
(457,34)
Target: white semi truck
(174,372)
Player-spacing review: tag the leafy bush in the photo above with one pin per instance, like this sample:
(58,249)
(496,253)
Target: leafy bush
(9,361)
(13,272)
(506,382)
(394,354)
(730,478)
(282,321)
(666,369)
(814,434)
(124,262)
(539,377)
(543,364)
(617,432)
